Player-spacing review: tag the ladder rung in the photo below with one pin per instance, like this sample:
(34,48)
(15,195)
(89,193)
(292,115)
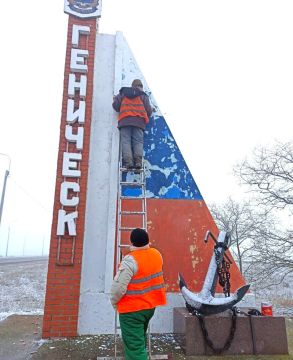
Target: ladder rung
(122,245)
(132,212)
(132,183)
(132,197)
(131,170)
(127,228)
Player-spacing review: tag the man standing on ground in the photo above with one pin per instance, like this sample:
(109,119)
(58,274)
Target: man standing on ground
(138,287)
(134,109)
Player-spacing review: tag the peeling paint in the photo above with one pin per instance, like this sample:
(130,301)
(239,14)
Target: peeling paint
(194,263)
(192,248)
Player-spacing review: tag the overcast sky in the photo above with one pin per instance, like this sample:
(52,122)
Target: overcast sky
(221,72)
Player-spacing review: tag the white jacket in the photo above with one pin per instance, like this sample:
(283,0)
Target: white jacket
(127,269)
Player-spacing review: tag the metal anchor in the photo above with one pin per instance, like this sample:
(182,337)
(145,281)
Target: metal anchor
(205,301)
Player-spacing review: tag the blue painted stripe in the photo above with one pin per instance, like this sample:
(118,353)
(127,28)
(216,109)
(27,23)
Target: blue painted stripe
(167,176)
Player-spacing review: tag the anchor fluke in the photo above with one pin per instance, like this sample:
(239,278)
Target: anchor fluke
(242,291)
(208,305)
(182,282)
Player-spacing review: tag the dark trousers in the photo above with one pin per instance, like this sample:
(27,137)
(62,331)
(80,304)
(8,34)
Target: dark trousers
(133,328)
(131,138)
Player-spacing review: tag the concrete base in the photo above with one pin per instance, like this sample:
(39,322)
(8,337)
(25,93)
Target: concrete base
(269,334)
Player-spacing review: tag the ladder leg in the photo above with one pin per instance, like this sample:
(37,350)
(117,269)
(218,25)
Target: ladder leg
(149,341)
(115,336)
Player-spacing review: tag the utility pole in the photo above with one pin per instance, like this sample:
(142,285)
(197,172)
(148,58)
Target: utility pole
(7,244)
(4,186)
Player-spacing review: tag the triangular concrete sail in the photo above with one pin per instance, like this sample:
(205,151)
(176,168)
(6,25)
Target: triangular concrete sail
(177,214)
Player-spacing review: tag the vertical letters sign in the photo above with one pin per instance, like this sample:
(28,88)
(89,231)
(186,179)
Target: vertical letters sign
(70,165)
(67,234)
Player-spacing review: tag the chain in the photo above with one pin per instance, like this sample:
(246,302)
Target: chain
(206,337)
(223,272)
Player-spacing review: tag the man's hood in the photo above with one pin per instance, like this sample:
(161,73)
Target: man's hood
(131,92)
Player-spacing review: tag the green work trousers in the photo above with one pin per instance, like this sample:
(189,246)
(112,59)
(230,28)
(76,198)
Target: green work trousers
(133,328)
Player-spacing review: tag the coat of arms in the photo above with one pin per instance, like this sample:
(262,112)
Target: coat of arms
(83,8)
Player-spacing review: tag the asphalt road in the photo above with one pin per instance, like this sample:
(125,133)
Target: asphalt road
(21,260)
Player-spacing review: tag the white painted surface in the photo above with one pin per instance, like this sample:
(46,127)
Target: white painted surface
(95,312)
(77,60)
(78,114)
(98,307)
(76,137)
(70,164)
(66,219)
(78,30)
(65,187)
(110,247)
(74,85)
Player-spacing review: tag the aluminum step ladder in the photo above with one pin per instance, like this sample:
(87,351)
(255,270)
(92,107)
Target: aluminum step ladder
(132,213)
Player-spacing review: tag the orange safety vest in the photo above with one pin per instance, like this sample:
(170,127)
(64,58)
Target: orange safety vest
(132,107)
(146,289)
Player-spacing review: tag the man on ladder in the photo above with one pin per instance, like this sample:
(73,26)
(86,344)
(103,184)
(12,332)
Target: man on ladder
(134,109)
(138,287)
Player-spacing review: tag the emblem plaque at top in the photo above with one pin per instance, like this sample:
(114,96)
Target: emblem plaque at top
(83,8)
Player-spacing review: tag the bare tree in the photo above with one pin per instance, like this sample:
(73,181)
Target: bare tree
(272,257)
(263,252)
(269,175)
(244,225)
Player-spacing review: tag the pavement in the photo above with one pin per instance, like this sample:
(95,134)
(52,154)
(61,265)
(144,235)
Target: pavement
(20,339)
(19,336)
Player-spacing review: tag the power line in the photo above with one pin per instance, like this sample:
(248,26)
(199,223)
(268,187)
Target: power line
(30,196)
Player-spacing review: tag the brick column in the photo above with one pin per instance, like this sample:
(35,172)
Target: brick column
(65,258)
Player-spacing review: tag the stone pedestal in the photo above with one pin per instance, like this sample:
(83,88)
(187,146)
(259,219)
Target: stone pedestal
(263,335)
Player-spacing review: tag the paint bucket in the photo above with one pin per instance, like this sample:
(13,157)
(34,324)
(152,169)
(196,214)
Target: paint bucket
(266,309)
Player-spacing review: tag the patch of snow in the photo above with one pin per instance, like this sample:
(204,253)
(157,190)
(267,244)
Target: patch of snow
(5,315)
(22,289)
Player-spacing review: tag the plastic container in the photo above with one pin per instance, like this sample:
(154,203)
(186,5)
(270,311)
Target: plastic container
(266,309)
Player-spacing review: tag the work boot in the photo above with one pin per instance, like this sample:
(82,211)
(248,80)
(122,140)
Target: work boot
(138,163)
(128,165)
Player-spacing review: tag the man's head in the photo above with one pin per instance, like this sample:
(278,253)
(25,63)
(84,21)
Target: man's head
(139,237)
(137,84)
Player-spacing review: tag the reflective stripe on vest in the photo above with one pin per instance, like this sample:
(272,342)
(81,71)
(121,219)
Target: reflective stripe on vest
(146,289)
(132,107)
(137,281)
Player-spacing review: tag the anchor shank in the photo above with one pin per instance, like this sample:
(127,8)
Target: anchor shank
(210,282)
